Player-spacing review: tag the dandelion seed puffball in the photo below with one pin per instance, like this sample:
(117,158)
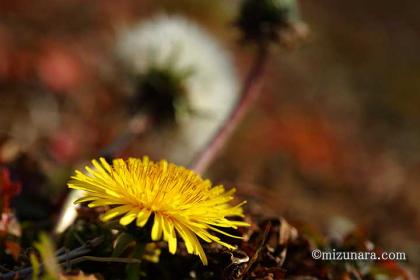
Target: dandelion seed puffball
(211,89)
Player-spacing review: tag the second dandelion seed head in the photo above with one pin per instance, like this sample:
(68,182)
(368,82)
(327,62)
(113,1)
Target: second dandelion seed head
(185,53)
(182,78)
(265,21)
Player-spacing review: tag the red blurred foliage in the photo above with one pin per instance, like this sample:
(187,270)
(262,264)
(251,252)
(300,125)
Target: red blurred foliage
(4,50)
(18,65)
(306,138)
(8,189)
(59,69)
(64,147)
(392,267)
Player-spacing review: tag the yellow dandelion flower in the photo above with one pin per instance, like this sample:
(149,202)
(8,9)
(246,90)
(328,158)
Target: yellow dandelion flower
(180,201)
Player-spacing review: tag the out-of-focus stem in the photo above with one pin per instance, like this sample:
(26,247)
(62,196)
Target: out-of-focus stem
(250,92)
(137,126)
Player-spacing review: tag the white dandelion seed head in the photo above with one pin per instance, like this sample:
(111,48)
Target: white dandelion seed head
(211,89)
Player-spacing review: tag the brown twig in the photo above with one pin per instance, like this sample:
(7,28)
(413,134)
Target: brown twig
(102,259)
(250,92)
(257,253)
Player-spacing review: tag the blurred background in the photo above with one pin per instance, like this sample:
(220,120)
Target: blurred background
(333,140)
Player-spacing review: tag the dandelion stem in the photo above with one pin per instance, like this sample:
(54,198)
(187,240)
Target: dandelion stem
(249,93)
